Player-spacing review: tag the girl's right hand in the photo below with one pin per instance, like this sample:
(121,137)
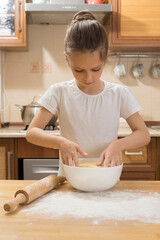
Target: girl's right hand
(69,152)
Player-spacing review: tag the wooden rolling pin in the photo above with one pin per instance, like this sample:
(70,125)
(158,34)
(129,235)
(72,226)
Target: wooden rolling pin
(33,191)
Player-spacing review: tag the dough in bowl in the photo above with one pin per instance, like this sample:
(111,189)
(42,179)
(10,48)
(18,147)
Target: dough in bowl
(90,165)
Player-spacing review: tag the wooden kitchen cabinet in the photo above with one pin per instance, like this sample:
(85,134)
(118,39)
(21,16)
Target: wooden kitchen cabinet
(135,25)
(7,158)
(12,23)
(36,162)
(28,150)
(158,158)
(141,163)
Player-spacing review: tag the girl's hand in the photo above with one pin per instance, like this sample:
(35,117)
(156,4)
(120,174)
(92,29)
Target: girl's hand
(69,152)
(112,155)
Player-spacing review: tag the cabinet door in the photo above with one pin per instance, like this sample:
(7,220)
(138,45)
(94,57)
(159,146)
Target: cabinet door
(141,163)
(139,176)
(12,23)
(7,159)
(28,150)
(136,24)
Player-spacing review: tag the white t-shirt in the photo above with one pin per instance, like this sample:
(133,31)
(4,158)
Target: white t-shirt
(91,121)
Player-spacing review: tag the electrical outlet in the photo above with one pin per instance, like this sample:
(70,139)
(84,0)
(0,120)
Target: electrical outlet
(34,67)
(46,67)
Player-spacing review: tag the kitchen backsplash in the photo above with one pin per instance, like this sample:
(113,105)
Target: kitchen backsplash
(30,73)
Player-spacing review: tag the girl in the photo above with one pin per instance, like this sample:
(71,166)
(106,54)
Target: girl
(88,108)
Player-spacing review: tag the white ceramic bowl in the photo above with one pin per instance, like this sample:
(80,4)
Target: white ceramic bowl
(92,179)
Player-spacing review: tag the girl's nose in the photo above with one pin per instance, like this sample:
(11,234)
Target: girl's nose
(88,76)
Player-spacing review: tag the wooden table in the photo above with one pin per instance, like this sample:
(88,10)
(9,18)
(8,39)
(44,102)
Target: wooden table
(18,225)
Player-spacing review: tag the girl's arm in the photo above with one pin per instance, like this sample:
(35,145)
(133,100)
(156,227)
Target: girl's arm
(139,137)
(36,135)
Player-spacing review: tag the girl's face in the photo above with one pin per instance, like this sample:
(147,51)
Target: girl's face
(87,69)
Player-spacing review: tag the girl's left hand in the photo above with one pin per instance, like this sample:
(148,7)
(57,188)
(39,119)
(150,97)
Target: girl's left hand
(112,155)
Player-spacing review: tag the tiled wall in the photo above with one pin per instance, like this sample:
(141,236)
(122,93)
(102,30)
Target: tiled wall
(30,73)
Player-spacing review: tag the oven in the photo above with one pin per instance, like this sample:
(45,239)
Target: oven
(35,169)
(35,162)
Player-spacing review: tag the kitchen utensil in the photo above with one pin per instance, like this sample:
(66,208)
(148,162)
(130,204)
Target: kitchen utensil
(155,68)
(92,179)
(66,1)
(33,191)
(29,111)
(119,69)
(138,69)
(39,1)
(95,1)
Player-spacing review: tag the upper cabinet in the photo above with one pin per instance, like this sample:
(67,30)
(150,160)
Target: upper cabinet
(12,23)
(135,25)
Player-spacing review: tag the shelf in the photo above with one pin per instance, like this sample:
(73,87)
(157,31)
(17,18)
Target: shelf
(62,13)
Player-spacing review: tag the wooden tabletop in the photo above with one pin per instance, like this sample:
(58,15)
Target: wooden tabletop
(18,225)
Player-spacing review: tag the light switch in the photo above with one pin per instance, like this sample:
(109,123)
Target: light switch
(34,67)
(46,67)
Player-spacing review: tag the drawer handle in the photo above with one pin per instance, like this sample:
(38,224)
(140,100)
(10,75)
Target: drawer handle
(53,169)
(133,153)
(48,172)
(9,164)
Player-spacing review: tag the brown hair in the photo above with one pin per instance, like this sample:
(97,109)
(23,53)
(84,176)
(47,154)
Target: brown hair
(86,34)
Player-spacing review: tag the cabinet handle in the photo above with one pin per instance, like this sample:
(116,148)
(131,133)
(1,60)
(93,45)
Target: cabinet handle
(49,172)
(9,164)
(47,169)
(133,153)
(18,16)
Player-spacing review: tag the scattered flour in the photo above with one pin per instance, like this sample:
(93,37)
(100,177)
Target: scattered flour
(47,182)
(110,205)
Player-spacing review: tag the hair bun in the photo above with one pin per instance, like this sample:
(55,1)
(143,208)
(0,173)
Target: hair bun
(82,16)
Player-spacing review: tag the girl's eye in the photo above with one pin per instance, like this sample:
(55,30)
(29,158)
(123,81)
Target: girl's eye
(79,71)
(93,70)
(96,70)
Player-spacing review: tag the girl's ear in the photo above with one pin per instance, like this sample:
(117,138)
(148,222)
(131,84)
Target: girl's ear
(65,55)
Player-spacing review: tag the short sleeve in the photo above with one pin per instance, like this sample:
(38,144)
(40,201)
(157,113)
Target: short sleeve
(50,99)
(129,103)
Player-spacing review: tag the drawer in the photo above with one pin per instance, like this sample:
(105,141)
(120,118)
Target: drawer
(139,176)
(28,150)
(138,155)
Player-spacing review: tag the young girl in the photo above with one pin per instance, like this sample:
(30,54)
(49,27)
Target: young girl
(88,108)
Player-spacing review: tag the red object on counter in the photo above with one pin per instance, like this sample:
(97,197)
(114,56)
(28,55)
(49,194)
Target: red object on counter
(95,1)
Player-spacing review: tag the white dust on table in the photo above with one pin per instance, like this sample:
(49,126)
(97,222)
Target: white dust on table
(1,194)
(109,205)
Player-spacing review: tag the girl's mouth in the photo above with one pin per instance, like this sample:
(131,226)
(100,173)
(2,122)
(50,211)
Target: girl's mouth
(88,83)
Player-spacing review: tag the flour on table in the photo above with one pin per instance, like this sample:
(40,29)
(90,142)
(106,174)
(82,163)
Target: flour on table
(109,205)
(47,182)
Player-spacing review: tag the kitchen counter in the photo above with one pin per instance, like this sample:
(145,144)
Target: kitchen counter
(20,225)
(15,132)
